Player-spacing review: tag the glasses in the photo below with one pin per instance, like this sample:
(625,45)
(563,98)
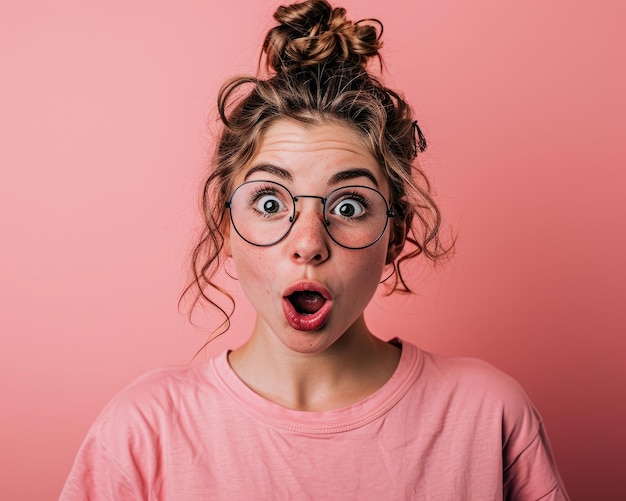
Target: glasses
(263,213)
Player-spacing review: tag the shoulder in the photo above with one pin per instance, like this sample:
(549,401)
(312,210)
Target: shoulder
(165,381)
(496,407)
(126,445)
(472,377)
(157,399)
(465,369)
(469,402)
(464,387)
(160,384)
(473,387)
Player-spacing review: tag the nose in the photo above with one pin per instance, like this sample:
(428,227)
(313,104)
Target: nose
(308,240)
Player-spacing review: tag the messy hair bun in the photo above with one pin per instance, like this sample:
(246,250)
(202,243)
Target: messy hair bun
(314,33)
(317,71)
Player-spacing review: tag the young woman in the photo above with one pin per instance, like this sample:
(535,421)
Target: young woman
(316,197)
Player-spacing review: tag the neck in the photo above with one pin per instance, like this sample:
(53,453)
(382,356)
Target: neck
(348,371)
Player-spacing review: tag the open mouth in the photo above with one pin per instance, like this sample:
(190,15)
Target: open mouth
(307,306)
(306,302)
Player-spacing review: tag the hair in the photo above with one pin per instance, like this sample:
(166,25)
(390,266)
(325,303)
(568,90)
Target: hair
(313,68)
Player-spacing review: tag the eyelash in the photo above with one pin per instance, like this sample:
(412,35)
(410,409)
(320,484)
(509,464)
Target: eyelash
(355,196)
(269,190)
(259,192)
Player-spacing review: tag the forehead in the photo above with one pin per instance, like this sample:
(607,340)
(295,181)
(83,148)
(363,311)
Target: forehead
(291,134)
(307,151)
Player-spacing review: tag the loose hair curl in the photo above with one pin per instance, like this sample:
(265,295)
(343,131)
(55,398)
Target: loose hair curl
(316,71)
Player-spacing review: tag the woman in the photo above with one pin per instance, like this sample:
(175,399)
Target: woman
(316,198)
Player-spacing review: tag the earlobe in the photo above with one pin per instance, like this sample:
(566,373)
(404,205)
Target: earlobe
(226,246)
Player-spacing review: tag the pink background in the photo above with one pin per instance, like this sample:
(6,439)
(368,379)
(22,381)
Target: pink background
(103,137)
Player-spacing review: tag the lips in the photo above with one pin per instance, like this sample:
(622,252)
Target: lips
(306,306)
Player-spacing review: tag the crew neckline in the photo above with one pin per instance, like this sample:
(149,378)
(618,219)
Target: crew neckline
(321,422)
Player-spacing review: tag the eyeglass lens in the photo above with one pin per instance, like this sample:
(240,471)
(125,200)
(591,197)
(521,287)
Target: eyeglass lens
(263,212)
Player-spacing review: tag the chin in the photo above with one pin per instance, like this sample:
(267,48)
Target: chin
(309,342)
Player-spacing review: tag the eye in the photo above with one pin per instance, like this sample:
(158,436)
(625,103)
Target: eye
(269,204)
(348,208)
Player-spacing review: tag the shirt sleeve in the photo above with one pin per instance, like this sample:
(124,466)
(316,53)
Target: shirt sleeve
(96,476)
(529,468)
(119,460)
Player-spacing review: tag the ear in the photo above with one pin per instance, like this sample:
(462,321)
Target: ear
(397,238)
(226,249)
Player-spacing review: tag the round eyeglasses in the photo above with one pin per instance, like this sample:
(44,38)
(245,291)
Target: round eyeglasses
(263,213)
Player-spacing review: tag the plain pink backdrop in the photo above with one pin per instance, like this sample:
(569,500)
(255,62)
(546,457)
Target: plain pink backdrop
(103,139)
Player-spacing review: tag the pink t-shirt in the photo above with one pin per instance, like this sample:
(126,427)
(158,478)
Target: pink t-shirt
(440,429)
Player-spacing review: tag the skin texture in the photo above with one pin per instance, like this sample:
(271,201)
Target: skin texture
(340,362)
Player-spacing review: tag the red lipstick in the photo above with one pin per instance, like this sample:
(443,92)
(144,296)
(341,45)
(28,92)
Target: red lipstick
(307,306)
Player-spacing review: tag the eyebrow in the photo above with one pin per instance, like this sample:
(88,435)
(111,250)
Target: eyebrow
(338,178)
(349,174)
(270,169)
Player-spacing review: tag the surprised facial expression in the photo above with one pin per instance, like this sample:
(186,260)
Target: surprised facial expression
(308,291)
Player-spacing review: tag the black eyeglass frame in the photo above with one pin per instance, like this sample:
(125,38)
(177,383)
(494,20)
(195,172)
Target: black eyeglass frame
(389,213)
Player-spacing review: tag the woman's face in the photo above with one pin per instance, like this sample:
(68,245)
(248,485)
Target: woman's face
(307,290)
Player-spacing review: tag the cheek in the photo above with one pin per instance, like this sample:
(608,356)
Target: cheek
(254,269)
(368,266)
